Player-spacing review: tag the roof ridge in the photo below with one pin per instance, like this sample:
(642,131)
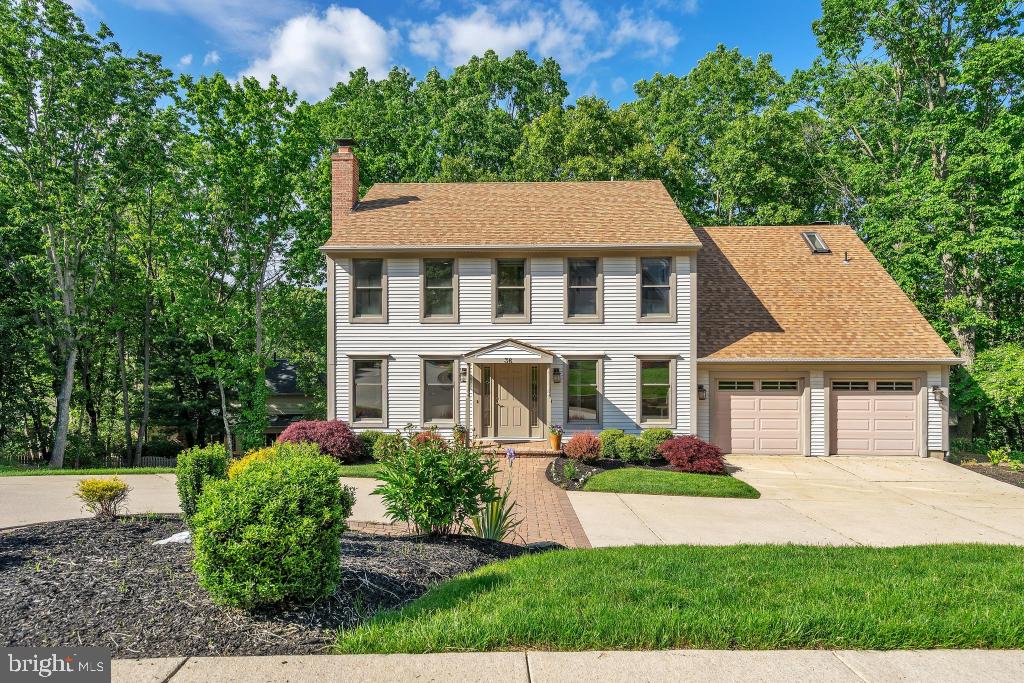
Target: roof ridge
(523,182)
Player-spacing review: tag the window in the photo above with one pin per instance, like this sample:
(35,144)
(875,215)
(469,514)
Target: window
(511,290)
(656,381)
(898,385)
(583,289)
(815,242)
(656,298)
(779,385)
(438,390)
(848,385)
(369,379)
(736,385)
(440,297)
(368,290)
(583,387)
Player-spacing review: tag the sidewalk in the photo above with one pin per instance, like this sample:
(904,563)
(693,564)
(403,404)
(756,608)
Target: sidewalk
(931,666)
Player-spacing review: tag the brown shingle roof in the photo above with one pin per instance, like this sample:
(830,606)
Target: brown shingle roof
(762,294)
(447,215)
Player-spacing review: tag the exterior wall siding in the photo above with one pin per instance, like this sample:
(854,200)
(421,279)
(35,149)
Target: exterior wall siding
(704,407)
(819,409)
(937,411)
(620,338)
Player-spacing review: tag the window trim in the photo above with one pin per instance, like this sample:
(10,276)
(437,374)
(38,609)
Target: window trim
(598,317)
(779,382)
(735,384)
(527,282)
(600,391)
(670,317)
(907,392)
(672,388)
(435,319)
(368,319)
(383,422)
(456,384)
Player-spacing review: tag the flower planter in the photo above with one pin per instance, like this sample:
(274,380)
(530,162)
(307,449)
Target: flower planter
(555,442)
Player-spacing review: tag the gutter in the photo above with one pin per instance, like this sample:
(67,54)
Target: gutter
(574,246)
(875,361)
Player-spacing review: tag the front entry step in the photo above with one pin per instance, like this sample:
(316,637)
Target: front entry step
(524,449)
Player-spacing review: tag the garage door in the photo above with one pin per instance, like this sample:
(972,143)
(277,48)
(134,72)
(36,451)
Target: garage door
(757,416)
(874,417)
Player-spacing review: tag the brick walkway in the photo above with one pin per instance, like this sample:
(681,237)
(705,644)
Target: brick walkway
(545,509)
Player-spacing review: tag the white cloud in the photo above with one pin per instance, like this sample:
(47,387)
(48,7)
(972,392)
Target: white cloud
(243,23)
(83,6)
(619,84)
(211,57)
(186,60)
(691,6)
(310,53)
(573,33)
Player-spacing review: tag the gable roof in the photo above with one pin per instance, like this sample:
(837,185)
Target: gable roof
(763,295)
(495,215)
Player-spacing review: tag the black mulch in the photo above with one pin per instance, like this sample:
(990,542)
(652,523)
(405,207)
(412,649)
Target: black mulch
(582,471)
(106,584)
(998,472)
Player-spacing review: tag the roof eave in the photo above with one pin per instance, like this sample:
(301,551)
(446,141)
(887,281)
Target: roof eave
(877,361)
(575,246)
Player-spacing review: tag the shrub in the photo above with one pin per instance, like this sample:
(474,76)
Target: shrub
(436,487)
(239,464)
(632,448)
(195,468)
(609,438)
(657,436)
(334,437)
(273,532)
(997,456)
(428,436)
(161,448)
(569,471)
(690,454)
(387,445)
(102,497)
(368,439)
(278,449)
(583,446)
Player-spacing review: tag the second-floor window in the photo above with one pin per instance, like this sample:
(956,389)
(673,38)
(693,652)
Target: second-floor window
(368,289)
(656,288)
(440,296)
(511,290)
(583,289)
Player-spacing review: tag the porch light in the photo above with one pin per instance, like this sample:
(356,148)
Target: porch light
(463,373)
(937,392)
(556,375)
(702,392)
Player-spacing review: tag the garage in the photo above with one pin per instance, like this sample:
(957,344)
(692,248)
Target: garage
(874,417)
(757,416)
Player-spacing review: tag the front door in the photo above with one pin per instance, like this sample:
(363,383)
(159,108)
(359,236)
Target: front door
(512,401)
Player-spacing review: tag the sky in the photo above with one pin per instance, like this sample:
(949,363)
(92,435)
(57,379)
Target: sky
(604,46)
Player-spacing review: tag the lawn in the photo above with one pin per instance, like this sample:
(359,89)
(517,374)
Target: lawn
(666,483)
(366,469)
(42,471)
(747,597)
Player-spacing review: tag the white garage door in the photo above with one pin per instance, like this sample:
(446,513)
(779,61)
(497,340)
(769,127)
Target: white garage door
(874,417)
(761,417)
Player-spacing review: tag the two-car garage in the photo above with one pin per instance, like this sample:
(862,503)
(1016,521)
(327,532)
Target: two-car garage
(781,414)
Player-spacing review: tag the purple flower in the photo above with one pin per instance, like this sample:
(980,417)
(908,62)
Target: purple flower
(510,455)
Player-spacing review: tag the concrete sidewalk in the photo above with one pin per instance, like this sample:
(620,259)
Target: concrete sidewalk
(858,666)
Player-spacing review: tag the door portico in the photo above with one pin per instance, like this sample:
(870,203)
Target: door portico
(509,391)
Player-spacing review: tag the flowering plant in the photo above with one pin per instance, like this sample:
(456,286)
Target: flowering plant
(556,430)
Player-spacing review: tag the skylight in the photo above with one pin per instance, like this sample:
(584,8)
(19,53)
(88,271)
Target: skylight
(815,242)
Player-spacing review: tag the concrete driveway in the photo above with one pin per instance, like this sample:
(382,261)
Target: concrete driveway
(875,501)
(29,500)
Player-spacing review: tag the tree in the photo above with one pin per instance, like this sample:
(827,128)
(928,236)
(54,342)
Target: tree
(997,387)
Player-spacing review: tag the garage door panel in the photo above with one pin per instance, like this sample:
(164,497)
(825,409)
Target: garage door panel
(784,445)
(764,422)
(874,423)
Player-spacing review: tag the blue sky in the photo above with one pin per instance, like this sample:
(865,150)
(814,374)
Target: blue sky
(604,46)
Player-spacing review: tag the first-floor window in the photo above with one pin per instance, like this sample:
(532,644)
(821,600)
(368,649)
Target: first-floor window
(438,390)
(583,390)
(655,390)
(368,390)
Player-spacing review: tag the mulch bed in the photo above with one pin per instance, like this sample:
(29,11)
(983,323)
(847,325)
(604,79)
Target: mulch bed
(106,584)
(585,470)
(996,472)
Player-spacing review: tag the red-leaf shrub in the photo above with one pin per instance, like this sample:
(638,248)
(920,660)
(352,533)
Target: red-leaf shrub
(583,446)
(334,437)
(690,454)
(428,436)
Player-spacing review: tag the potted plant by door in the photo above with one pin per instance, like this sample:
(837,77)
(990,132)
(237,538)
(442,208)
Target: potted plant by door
(555,437)
(461,435)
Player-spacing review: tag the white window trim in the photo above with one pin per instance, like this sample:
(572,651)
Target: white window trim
(673,382)
(442,319)
(368,319)
(670,317)
(383,422)
(600,392)
(505,319)
(424,422)
(598,317)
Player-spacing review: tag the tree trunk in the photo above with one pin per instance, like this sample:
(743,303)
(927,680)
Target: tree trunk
(223,399)
(88,403)
(146,349)
(60,436)
(122,362)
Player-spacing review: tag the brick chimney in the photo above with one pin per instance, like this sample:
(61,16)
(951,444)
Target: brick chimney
(344,177)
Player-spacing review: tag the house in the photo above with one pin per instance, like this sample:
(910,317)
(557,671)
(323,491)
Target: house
(286,402)
(509,307)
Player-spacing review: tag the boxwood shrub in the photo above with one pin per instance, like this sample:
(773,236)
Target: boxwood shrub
(632,448)
(656,436)
(272,533)
(195,468)
(609,438)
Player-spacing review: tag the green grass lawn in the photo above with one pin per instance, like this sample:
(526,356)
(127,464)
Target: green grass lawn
(665,483)
(42,471)
(747,597)
(367,469)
